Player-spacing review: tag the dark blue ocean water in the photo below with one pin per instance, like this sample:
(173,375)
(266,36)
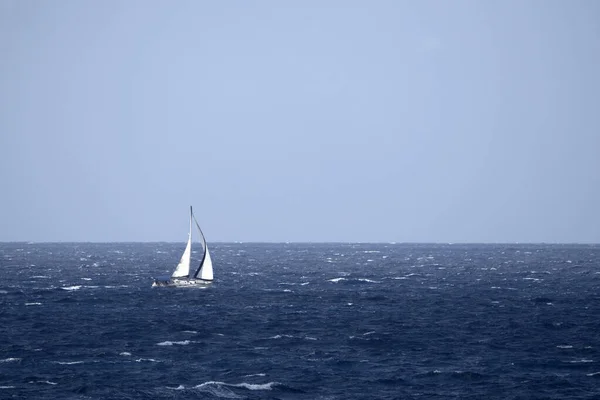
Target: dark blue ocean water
(301,321)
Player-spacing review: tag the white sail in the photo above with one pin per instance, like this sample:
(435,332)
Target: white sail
(183,268)
(206,271)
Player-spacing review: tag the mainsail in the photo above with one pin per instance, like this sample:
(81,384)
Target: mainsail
(183,268)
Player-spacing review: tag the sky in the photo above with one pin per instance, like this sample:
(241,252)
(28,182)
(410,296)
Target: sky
(310,121)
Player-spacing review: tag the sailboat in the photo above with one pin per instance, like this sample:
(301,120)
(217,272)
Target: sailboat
(181,275)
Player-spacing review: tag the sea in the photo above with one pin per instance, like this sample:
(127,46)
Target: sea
(301,321)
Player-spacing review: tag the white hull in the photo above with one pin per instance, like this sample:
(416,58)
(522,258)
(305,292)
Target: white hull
(181,283)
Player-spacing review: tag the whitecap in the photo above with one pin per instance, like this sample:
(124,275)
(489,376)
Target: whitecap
(336,280)
(169,343)
(253,386)
(194,332)
(41,277)
(564,346)
(368,280)
(247,376)
(146,359)
(593,374)
(70,288)
(249,386)
(217,389)
(310,338)
(87,279)
(281,336)
(583,360)
(10,359)
(68,362)
(7,387)
(125,353)
(33,304)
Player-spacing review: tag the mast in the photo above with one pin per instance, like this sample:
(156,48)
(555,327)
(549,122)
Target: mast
(191,216)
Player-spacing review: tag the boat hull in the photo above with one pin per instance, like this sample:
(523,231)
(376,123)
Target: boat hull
(181,283)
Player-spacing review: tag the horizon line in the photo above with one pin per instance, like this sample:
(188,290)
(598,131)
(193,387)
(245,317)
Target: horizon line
(300,242)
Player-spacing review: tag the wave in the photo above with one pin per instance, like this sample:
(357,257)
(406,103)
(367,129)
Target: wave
(352,280)
(10,359)
(293,337)
(68,362)
(459,375)
(281,336)
(170,343)
(216,389)
(244,385)
(70,288)
(255,386)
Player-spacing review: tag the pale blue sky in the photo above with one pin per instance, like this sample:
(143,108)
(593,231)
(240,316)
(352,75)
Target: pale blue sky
(406,121)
